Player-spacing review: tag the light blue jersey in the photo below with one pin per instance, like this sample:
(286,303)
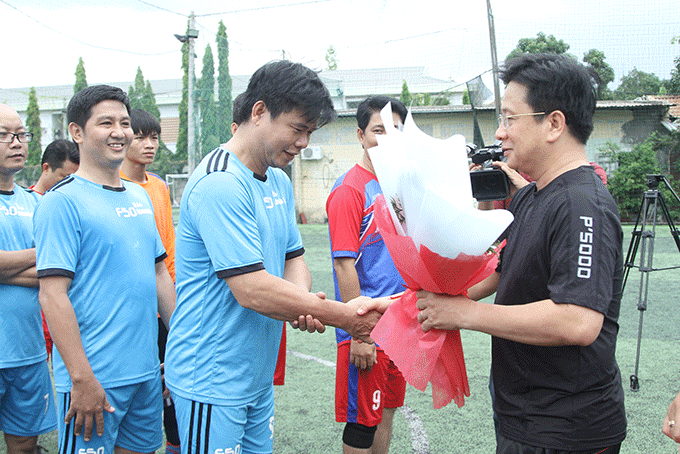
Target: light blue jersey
(21,335)
(231,222)
(104,239)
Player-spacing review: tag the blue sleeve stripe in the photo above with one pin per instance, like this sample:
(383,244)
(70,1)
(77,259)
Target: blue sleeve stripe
(162,257)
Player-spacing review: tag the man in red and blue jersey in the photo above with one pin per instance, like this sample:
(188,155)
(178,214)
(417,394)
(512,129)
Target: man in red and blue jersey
(369,387)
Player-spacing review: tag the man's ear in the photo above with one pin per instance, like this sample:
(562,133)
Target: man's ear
(258,112)
(360,136)
(557,125)
(76,132)
(45,167)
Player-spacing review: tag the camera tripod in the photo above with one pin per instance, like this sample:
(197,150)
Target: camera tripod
(643,239)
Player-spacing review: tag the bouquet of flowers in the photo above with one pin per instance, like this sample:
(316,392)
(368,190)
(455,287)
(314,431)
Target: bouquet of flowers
(438,241)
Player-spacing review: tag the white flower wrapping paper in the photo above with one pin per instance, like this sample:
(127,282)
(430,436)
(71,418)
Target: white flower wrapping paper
(429,178)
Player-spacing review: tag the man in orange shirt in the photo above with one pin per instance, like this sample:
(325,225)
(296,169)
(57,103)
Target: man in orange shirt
(141,153)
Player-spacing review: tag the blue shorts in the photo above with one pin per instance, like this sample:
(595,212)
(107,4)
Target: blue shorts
(137,423)
(242,429)
(27,400)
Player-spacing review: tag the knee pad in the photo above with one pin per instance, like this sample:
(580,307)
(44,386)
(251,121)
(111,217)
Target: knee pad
(358,436)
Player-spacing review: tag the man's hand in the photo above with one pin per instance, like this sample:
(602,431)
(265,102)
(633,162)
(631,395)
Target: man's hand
(366,316)
(309,323)
(517,181)
(671,423)
(362,355)
(441,311)
(88,402)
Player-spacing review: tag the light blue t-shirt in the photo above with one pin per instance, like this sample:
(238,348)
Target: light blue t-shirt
(21,334)
(231,222)
(105,239)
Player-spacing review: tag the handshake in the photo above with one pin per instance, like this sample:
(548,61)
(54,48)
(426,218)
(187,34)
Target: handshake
(358,317)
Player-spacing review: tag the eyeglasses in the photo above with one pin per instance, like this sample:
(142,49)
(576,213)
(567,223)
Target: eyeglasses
(503,119)
(22,137)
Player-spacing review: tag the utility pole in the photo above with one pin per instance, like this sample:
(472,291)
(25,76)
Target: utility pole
(191,116)
(189,38)
(494,60)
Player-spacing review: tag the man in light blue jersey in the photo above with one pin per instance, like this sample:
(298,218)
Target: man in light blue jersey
(240,268)
(100,266)
(26,399)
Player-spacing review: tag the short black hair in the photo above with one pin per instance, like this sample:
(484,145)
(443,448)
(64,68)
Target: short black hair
(144,123)
(239,114)
(374,104)
(79,109)
(59,151)
(557,82)
(284,86)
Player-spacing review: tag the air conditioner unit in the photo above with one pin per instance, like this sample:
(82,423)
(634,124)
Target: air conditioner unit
(311,154)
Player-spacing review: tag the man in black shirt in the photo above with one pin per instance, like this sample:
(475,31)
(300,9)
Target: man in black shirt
(558,286)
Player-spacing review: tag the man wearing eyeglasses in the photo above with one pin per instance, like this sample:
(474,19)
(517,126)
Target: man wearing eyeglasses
(558,287)
(26,400)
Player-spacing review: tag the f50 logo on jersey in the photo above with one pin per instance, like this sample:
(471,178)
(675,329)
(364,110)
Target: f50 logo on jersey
(99,450)
(135,210)
(585,248)
(271,202)
(15,210)
(236,450)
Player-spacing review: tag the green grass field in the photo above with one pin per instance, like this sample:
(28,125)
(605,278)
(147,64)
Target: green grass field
(305,421)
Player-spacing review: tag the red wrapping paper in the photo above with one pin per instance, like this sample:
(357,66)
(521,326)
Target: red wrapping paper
(436,356)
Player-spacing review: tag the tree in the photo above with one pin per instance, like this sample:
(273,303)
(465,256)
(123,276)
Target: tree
(466,97)
(142,97)
(405,97)
(225,112)
(637,83)
(81,81)
(540,44)
(594,59)
(628,182)
(331,58)
(206,102)
(33,126)
(673,85)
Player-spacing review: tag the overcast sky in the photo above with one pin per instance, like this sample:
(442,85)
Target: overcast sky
(43,39)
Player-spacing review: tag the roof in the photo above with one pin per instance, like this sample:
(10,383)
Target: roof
(601,105)
(365,82)
(673,100)
(350,83)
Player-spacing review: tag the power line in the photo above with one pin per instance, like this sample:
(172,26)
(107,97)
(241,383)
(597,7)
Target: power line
(83,42)
(163,9)
(258,8)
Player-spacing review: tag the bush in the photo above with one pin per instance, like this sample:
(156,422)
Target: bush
(628,182)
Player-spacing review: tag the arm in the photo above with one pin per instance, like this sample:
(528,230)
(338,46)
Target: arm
(165,290)
(296,272)
(25,278)
(14,262)
(361,354)
(279,299)
(88,399)
(539,323)
(485,288)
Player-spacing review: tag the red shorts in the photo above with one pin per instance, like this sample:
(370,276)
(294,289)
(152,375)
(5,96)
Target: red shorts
(360,396)
(280,372)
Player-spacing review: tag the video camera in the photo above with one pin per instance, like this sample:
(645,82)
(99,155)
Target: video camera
(489,182)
